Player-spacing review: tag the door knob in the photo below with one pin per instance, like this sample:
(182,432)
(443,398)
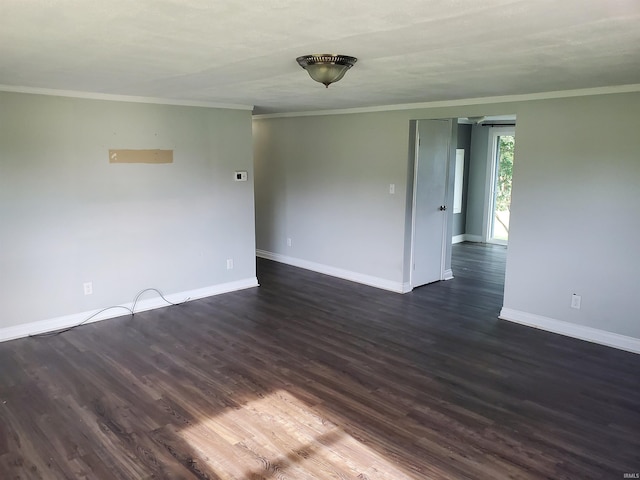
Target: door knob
(442,208)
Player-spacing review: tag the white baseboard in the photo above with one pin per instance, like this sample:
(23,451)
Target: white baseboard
(594,335)
(473,238)
(377,282)
(448,274)
(66,321)
(458,239)
(466,237)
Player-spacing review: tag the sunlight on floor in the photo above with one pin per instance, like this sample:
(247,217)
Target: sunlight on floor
(279,436)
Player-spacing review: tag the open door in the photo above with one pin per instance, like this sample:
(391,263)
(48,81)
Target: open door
(429,201)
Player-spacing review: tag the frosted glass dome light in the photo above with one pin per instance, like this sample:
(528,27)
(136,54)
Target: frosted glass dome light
(326,68)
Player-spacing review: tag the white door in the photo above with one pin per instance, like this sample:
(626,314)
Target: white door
(429,207)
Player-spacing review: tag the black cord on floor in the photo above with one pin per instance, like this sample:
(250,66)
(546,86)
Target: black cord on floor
(130,310)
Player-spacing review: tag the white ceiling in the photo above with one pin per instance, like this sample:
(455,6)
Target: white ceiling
(243,52)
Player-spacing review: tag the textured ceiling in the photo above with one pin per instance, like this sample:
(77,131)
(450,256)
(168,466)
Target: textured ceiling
(226,51)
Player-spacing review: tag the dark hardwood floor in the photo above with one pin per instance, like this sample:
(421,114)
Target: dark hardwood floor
(312,377)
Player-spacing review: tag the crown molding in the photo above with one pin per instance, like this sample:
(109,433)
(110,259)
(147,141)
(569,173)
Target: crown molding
(121,98)
(381,108)
(462,102)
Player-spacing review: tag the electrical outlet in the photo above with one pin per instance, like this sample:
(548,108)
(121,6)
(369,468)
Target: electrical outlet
(229,263)
(392,189)
(576,300)
(288,242)
(88,288)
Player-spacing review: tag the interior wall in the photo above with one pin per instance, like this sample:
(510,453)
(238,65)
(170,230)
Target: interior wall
(464,141)
(324,182)
(325,179)
(477,182)
(575,204)
(69,216)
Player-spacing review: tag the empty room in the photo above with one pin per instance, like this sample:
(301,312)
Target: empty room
(319,240)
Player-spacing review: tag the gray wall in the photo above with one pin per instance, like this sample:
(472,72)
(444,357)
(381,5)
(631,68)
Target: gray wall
(575,212)
(324,181)
(464,141)
(477,181)
(69,216)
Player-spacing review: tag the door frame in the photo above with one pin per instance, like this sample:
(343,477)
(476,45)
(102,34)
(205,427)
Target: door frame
(416,154)
(490,185)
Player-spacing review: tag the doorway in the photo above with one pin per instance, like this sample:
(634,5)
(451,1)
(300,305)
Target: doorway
(485,198)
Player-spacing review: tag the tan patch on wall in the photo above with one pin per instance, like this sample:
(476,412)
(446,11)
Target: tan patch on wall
(140,156)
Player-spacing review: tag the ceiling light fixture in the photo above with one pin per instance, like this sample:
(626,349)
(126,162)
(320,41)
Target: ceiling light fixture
(326,68)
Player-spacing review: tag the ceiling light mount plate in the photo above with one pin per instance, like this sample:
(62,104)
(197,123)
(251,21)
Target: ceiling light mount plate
(326,68)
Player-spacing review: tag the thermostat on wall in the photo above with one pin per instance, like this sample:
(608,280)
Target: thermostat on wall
(240,176)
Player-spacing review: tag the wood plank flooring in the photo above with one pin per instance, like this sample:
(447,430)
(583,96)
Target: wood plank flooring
(312,377)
